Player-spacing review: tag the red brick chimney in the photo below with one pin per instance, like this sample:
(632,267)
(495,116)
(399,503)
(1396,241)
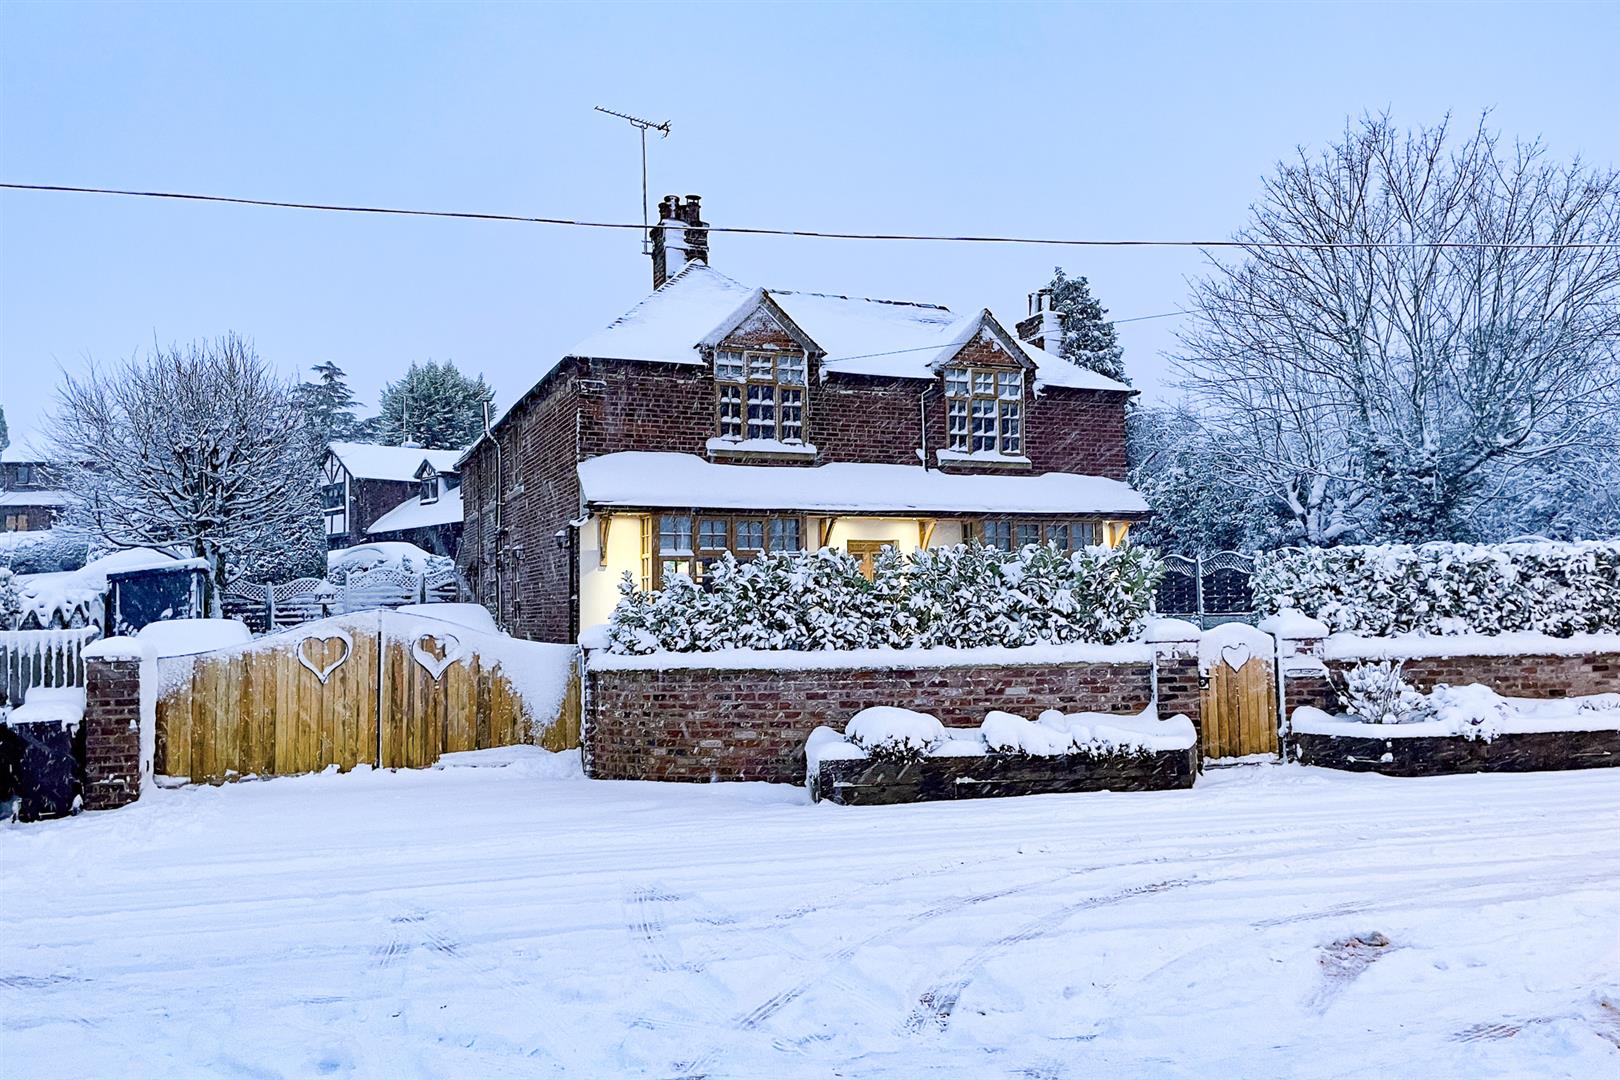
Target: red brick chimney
(1043,327)
(681,236)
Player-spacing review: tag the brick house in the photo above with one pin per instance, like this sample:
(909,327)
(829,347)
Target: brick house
(718,416)
(371,493)
(28,502)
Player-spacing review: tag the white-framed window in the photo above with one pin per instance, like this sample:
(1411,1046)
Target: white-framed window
(984,411)
(430,489)
(760,395)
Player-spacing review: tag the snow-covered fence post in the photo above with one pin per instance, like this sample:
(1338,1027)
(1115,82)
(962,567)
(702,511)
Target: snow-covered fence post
(1176,683)
(120,698)
(269,608)
(1302,677)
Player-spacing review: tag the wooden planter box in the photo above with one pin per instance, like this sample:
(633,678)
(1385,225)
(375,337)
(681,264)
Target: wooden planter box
(1444,755)
(869,782)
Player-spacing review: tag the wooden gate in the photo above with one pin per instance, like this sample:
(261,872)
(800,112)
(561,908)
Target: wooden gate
(375,689)
(1240,695)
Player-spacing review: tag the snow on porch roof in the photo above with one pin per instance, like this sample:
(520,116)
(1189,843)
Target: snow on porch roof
(644,479)
(415,514)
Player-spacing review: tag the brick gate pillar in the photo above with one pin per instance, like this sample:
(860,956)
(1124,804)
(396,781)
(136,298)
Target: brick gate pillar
(1175,670)
(113,722)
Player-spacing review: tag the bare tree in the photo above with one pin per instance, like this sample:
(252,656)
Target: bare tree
(198,449)
(1448,313)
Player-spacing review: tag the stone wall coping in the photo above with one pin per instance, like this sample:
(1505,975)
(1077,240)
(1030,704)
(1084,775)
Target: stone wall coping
(1134,652)
(1344,646)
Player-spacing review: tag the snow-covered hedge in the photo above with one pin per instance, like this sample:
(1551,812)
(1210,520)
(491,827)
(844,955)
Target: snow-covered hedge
(1551,588)
(960,597)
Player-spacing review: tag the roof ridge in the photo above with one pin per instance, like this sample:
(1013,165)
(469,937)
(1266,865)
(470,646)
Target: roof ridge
(864,299)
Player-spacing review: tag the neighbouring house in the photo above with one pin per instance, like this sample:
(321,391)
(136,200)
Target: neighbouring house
(717,416)
(28,502)
(371,493)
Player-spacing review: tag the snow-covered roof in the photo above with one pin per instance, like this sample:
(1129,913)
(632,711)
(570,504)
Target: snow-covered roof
(415,514)
(33,497)
(860,336)
(645,479)
(368,461)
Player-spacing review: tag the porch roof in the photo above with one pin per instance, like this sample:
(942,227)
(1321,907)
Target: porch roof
(649,480)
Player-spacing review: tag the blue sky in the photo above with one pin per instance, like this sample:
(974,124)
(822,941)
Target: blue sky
(1149,120)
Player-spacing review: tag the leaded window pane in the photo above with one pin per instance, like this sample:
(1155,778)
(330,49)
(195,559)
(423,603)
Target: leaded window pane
(761,367)
(997,534)
(675,534)
(984,382)
(1012,428)
(750,535)
(790,369)
(728,365)
(956,382)
(792,415)
(1028,533)
(956,425)
(1010,385)
(984,425)
(712,534)
(785,534)
(1058,534)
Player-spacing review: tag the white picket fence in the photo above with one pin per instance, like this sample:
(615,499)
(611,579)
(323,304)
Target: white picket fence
(30,658)
(269,606)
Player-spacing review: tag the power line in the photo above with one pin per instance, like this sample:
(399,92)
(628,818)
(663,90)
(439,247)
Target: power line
(738,230)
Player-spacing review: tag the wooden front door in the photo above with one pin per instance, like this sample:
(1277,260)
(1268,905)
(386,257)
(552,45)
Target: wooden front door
(1240,705)
(866,551)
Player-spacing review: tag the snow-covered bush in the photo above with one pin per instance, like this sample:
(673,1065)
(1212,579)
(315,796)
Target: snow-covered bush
(1377,693)
(1551,588)
(888,732)
(1470,709)
(45,551)
(963,596)
(11,608)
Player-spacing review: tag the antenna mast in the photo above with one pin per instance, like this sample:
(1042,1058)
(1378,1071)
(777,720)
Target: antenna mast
(642,126)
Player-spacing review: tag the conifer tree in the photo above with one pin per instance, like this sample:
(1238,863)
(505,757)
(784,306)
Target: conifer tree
(1089,339)
(328,403)
(433,404)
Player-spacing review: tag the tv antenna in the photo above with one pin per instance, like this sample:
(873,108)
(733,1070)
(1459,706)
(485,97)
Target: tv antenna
(642,126)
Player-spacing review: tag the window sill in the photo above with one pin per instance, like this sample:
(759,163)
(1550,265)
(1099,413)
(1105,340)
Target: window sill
(760,448)
(1013,462)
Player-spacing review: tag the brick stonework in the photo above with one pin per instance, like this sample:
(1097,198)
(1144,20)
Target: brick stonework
(711,724)
(112,733)
(1510,676)
(1180,690)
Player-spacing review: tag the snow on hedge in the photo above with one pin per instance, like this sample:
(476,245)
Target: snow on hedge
(965,596)
(1559,589)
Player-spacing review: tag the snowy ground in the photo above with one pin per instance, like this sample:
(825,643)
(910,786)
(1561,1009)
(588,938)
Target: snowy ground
(518,921)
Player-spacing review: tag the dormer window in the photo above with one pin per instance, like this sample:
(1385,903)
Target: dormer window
(984,411)
(430,489)
(760,396)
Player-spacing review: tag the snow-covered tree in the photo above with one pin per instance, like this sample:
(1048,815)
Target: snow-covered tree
(5,432)
(11,608)
(199,449)
(328,404)
(434,405)
(1199,506)
(1408,329)
(1089,338)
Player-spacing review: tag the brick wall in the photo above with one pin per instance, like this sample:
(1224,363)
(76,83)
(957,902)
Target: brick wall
(112,732)
(1511,676)
(711,724)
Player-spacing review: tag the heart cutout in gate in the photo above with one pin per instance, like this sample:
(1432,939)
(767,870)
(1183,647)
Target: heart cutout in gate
(1238,651)
(321,660)
(436,652)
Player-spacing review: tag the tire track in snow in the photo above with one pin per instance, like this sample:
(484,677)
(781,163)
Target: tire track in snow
(827,963)
(936,1004)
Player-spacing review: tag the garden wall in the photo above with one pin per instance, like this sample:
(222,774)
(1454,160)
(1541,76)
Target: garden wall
(745,714)
(1514,665)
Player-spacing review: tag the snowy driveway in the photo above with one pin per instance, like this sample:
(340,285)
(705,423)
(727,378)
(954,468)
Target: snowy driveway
(495,922)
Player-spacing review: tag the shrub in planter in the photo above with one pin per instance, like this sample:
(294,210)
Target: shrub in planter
(1377,693)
